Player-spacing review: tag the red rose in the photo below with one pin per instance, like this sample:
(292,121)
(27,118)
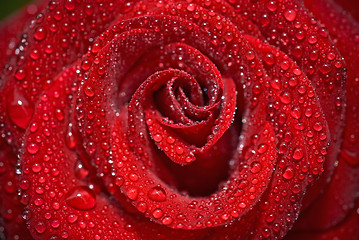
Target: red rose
(198,119)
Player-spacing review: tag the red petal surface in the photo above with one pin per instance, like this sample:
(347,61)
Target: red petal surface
(59,35)
(338,199)
(180,119)
(10,29)
(345,230)
(292,28)
(11,209)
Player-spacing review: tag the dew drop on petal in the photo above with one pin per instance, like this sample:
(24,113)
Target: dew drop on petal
(19,108)
(298,153)
(132,193)
(81,198)
(157,213)
(70,5)
(256,167)
(72,218)
(33,148)
(167,220)
(290,15)
(157,137)
(288,173)
(40,227)
(40,33)
(157,194)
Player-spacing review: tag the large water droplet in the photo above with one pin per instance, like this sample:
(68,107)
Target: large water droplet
(157,213)
(72,218)
(33,148)
(132,193)
(40,227)
(40,33)
(290,15)
(81,198)
(70,5)
(19,108)
(157,194)
(288,173)
(256,167)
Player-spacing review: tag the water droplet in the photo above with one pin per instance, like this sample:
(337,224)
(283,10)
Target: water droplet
(270,218)
(132,193)
(35,54)
(39,190)
(70,5)
(33,148)
(242,205)
(142,207)
(262,148)
(250,55)
(19,109)
(290,15)
(157,213)
(179,150)
(133,177)
(157,194)
(288,173)
(296,112)
(298,153)
(272,6)
(24,184)
(312,39)
(170,139)
(59,114)
(285,65)
(167,220)
(72,218)
(157,137)
(81,198)
(149,121)
(55,223)
(40,33)
(38,201)
(269,59)
(80,171)
(285,98)
(325,68)
(40,227)
(228,36)
(119,181)
(275,84)
(70,138)
(318,126)
(20,74)
(191,7)
(89,91)
(256,167)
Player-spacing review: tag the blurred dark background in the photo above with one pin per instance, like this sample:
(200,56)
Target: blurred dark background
(9,6)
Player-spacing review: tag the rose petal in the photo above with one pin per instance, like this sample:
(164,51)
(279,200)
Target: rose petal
(346,229)
(11,209)
(60,34)
(303,38)
(138,183)
(338,199)
(72,203)
(11,27)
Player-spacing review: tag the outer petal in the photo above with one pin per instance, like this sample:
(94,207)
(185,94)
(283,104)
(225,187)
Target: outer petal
(338,199)
(291,27)
(11,28)
(12,223)
(58,36)
(345,230)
